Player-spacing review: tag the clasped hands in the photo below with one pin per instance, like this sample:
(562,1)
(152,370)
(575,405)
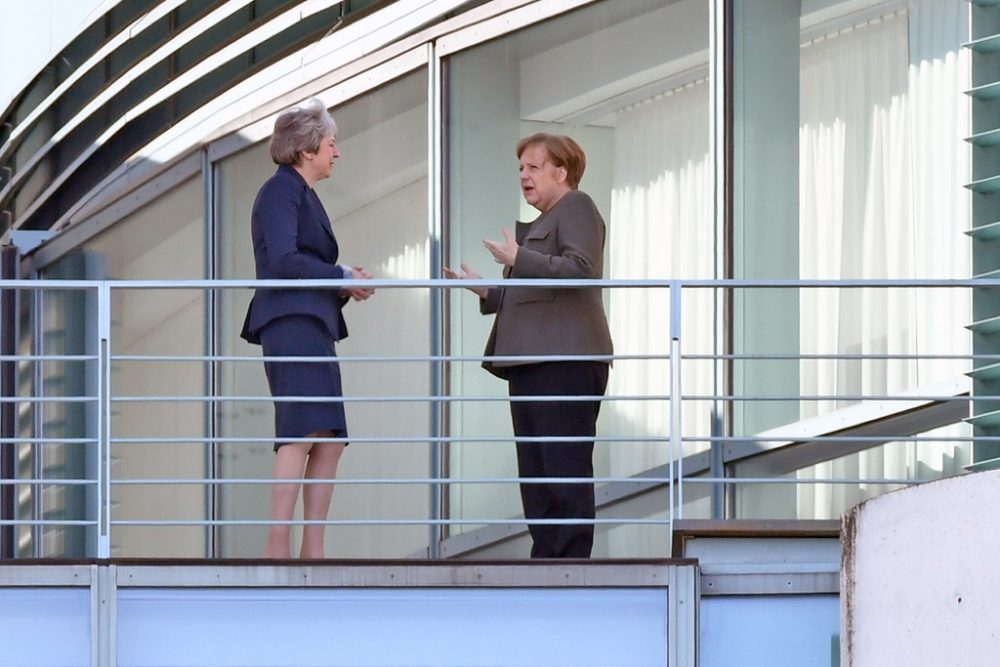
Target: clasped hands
(359,293)
(504,252)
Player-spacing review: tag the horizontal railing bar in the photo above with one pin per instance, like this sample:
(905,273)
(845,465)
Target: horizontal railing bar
(405,358)
(543,398)
(841,397)
(834,356)
(394,480)
(838,438)
(46,522)
(473,399)
(801,480)
(52,284)
(48,441)
(379,399)
(378,481)
(383,481)
(688,356)
(48,399)
(461,283)
(485,440)
(47,482)
(48,357)
(333,283)
(395,439)
(554,357)
(157,481)
(382,522)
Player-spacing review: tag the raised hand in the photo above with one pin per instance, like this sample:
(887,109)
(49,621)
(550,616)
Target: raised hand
(503,252)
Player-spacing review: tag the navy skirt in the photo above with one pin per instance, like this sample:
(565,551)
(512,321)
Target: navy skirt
(303,336)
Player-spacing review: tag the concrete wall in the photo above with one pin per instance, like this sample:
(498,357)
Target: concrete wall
(919,581)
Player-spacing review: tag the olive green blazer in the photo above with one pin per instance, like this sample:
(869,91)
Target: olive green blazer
(565,242)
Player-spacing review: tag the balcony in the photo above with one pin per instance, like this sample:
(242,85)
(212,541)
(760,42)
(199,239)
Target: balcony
(119,465)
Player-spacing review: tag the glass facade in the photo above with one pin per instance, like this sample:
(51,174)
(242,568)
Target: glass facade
(848,164)
(843,160)
(163,240)
(62,327)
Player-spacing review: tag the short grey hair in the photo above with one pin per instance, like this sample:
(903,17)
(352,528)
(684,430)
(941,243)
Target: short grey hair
(301,128)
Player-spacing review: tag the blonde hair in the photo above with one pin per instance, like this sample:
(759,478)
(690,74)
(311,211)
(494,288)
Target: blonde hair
(299,129)
(562,152)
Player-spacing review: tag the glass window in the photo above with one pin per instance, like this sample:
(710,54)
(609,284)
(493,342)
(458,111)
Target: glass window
(164,240)
(60,322)
(849,162)
(827,489)
(377,203)
(642,116)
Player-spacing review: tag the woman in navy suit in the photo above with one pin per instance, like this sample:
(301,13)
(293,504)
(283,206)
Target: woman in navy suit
(292,238)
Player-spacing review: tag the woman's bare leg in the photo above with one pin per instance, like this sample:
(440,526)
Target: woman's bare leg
(289,462)
(323,461)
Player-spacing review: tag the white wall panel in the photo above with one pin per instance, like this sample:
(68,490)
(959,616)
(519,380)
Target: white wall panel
(47,627)
(769,630)
(437,627)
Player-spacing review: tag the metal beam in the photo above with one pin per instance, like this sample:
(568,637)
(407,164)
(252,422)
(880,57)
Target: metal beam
(769,454)
(764,459)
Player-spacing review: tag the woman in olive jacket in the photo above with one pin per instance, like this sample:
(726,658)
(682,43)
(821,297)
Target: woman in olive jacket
(565,241)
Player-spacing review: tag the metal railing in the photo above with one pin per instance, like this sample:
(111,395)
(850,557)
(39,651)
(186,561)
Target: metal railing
(711,454)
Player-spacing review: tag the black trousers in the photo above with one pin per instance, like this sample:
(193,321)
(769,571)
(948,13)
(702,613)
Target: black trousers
(557,459)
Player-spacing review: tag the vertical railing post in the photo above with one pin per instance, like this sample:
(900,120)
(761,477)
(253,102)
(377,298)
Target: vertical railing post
(211,369)
(104,419)
(38,388)
(717,467)
(8,390)
(675,403)
(434,222)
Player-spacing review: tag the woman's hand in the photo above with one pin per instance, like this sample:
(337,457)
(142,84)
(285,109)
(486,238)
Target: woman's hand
(359,293)
(503,253)
(467,274)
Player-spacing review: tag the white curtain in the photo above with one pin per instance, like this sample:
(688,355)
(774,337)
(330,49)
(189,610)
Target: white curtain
(881,173)
(660,227)
(882,166)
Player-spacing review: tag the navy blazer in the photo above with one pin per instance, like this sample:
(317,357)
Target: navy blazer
(292,238)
